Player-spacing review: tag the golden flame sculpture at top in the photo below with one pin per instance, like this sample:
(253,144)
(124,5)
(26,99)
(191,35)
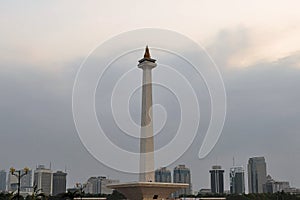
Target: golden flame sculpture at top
(147,53)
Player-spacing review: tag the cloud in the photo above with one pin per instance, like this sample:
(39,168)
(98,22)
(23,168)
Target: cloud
(262,118)
(247,46)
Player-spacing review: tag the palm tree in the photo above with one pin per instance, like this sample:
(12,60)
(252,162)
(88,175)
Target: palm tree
(37,193)
(10,195)
(17,197)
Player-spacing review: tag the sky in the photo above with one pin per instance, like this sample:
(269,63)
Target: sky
(255,44)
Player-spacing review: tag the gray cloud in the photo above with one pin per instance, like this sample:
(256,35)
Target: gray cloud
(262,118)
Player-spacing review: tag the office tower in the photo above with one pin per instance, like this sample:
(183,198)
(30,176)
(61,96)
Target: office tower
(2,181)
(98,185)
(257,173)
(26,181)
(59,183)
(146,140)
(217,179)
(237,180)
(12,182)
(182,174)
(43,178)
(163,175)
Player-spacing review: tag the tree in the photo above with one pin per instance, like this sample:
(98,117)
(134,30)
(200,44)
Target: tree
(116,196)
(71,195)
(36,194)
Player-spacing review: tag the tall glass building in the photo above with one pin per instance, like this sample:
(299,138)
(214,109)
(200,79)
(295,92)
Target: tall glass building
(59,183)
(182,174)
(217,179)
(257,174)
(163,175)
(237,180)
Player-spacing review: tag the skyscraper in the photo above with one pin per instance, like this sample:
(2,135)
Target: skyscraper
(26,181)
(217,179)
(12,182)
(43,178)
(182,174)
(2,181)
(163,175)
(257,174)
(237,180)
(59,182)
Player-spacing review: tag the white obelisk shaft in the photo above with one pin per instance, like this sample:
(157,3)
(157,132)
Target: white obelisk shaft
(146,140)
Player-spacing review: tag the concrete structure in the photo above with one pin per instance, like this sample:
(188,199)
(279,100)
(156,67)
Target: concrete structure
(146,189)
(98,185)
(257,173)
(26,181)
(12,182)
(182,174)
(163,175)
(237,180)
(272,186)
(146,140)
(59,183)
(217,179)
(43,178)
(292,190)
(2,181)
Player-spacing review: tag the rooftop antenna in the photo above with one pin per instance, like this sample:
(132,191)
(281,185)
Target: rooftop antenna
(233,161)
(50,165)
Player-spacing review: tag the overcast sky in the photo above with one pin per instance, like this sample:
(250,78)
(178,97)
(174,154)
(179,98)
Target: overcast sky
(256,45)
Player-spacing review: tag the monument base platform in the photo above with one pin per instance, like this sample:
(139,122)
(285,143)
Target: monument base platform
(147,190)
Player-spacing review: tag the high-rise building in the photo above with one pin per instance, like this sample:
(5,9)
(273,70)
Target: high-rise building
(59,183)
(237,180)
(12,182)
(2,181)
(163,175)
(98,185)
(43,178)
(257,173)
(217,179)
(26,181)
(182,174)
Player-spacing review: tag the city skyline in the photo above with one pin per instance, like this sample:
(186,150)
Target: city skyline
(180,174)
(254,44)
